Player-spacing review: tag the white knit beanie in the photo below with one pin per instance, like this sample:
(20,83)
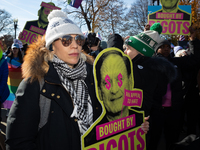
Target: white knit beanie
(59,25)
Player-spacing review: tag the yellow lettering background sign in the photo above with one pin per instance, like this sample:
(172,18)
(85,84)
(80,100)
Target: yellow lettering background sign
(174,19)
(173,27)
(131,139)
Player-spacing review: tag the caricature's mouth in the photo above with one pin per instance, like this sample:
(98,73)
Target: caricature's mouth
(115,98)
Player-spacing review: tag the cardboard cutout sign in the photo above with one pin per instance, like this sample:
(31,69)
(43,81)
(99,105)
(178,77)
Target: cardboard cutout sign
(118,127)
(173,19)
(36,28)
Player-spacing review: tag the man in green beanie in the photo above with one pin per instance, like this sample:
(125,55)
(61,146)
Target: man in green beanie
(152,75)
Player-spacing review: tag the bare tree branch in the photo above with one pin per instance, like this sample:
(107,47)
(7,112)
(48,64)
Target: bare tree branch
(5,21)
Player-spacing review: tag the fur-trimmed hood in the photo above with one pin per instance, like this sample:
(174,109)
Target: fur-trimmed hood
(35,64)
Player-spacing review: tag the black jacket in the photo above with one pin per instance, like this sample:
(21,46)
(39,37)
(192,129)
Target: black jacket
(152,76)
(60,132)
(183,65)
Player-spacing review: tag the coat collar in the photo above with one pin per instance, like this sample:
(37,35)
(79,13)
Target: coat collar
(52,75)
(139,59)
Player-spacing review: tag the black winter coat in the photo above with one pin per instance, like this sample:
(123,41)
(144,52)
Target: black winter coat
(152,76)
(184,65)
(60,132)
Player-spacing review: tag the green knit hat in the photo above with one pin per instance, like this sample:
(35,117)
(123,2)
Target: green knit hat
(146,42)
(156,27)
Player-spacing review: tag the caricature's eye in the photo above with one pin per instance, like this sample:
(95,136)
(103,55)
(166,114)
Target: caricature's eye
(104,83)
(120,80)
(107,85)
(47,11)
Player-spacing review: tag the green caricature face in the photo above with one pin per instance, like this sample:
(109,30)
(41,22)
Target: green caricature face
(169,3)
(114,80)
(44,11)
(43,14)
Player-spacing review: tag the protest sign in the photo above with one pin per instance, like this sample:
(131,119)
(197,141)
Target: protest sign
(174,19)
(36,28)
(119,125)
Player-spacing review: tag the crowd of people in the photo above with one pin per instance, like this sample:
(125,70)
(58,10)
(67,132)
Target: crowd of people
(56,102)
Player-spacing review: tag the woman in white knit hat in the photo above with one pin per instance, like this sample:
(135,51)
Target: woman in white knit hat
(56,102)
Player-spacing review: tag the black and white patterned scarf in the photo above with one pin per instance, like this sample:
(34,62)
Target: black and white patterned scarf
(73,81)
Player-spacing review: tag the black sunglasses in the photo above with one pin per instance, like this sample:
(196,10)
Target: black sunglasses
(67,40)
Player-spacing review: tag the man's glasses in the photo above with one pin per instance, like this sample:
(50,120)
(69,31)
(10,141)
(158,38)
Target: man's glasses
(67,40)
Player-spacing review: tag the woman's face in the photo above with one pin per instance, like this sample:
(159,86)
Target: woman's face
(15,51)
(70,54)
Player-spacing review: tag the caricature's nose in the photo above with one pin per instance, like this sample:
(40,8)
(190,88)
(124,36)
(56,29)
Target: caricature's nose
(114,87)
